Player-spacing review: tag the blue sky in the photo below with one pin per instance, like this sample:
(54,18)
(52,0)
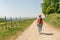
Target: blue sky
(20,8)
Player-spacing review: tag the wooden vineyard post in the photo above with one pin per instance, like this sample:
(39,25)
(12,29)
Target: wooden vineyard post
(11,21)
(20,20)
(5,23)
(16,21)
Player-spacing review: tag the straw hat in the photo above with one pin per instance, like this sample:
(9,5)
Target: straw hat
(39,14)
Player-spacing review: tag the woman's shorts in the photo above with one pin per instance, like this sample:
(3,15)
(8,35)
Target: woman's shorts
(39,27)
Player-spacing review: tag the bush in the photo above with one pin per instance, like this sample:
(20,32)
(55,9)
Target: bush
(50,10)
(58,10)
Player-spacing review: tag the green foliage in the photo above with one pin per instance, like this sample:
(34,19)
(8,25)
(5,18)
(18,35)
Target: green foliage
(58,10)
(50,10)
(49,6)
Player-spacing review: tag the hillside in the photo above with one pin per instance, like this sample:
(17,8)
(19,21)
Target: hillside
(53,19)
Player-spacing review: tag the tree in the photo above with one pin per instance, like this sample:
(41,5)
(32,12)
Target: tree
(49,6)
(45,5)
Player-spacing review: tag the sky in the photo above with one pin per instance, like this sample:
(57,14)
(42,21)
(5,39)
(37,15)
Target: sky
(20,8)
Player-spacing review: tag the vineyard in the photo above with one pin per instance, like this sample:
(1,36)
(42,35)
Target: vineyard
(11,27)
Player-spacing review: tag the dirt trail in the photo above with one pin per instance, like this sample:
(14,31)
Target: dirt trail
(48,33)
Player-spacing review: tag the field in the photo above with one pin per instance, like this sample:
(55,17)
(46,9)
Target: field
(7,31)
(53,19)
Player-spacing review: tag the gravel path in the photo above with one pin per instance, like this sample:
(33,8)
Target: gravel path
(31,33)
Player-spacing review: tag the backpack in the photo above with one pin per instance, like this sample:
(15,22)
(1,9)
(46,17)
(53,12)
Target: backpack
(39,21)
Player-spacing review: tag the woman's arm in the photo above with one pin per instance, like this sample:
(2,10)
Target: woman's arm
(42,21)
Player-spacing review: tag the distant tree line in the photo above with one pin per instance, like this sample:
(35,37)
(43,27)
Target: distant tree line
(1,19)
(50,6)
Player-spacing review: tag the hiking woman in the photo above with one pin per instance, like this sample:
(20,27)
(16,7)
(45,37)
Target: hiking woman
(39,23)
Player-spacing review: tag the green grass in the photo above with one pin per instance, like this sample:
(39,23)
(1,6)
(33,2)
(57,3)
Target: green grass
(53,19)
(6,34)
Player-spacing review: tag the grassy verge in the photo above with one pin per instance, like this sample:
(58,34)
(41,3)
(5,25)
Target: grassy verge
(53,19)
(7,34)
